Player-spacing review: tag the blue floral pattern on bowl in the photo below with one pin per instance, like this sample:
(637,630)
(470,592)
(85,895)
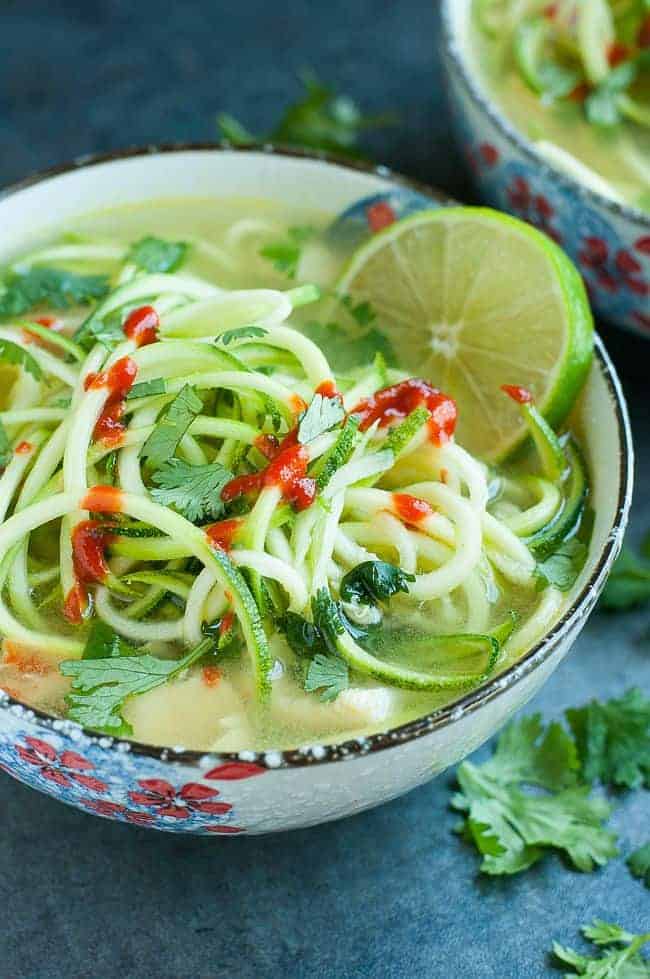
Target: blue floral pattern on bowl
(132,788)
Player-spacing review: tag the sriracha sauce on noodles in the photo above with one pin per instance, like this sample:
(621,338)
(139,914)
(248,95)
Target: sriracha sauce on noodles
(394,403)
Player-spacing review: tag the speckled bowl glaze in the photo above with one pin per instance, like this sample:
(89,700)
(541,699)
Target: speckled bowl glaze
(610,242)
(190,792)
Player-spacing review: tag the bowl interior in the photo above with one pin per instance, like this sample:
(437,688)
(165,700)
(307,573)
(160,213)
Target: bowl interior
(31,211)
(457,29)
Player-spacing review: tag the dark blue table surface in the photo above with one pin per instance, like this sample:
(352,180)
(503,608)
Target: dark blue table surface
(390,894)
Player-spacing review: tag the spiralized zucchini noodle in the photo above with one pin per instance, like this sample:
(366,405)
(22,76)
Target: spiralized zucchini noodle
(184,469)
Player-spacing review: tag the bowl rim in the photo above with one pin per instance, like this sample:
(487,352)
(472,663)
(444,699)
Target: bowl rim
(469,702)
(480,96)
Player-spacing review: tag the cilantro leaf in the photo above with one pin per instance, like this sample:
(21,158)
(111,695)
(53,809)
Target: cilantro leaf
(602,106)
(56,287)
(302,636)
(143,389)
(615,963)
(157,255)
(5,447)
(172,424)
(107,331)
(233,131)
(103,643)
(285,253)
(511,828)
(13,353)
(329,674)
(100,687)
(527,752)
(613,740)
(374,581)
(241,333)
(639,863)
(562,567)
(361,312)
(321,120)
(193,490)
(628,584)
(322,414)
(346,350)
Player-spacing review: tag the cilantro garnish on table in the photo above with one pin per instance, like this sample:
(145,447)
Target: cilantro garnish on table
(639,863)
(511,826)
(620,956)
(613,740)
(321,120)
(629,582)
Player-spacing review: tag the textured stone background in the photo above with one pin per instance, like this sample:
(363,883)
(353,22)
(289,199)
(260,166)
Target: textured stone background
(391,894)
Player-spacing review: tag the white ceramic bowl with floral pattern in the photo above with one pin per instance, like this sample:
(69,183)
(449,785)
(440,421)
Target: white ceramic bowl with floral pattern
(192,792)
(608,241)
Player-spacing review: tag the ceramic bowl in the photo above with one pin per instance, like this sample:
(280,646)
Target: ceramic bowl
(610,242)
(192,792)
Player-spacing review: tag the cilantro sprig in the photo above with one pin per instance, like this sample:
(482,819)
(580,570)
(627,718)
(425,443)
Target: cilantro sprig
(5,447)
(193,490)
(374,581)
(13,353)
(285,252)
(512,828)
(329,675)
(153,254)
(613,740)
(323,414)
(629,582)
(346,350)
(608,104)
(321,120)
(57,287)
(639,863)
(621,960)
(171,425)
(102,684)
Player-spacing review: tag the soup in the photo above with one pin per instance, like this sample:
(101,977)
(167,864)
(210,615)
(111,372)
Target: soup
(231,519)
(574,77)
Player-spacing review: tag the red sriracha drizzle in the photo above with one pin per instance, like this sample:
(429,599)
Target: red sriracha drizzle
(411,509)
(103,499)
(394,403)
(222,534)
(23,448)
(521,395)
(142,326)
(75,604)
(226,623)
(286,470)
(119,380)
(268,445)
(328,389)
(89,541)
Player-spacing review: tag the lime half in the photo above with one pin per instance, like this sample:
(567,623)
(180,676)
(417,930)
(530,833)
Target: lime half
(472,299)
